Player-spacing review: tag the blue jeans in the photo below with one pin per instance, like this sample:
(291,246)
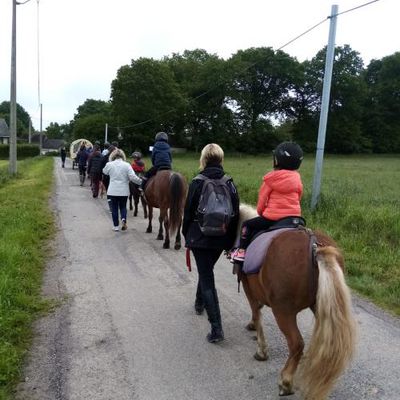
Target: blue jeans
(118,203)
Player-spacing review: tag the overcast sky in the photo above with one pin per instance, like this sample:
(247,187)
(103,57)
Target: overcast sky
(84,42)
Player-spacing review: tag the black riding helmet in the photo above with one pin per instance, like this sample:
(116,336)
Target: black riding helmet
(288,155)
(137,155)
(161,136)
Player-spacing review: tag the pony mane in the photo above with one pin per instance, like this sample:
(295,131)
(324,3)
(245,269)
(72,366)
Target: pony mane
(246,211)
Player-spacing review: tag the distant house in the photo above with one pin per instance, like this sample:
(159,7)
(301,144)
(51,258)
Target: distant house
(48,145)
(4,132)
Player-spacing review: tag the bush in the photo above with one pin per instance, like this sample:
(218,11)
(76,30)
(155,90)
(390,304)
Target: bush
(23,151)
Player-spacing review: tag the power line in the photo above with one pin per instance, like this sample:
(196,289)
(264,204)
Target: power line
(354,8)
(253,64)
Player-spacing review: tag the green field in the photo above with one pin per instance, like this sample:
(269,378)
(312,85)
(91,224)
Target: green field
(359,208)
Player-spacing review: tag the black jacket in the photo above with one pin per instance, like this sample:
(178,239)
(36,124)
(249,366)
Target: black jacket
(191,229)
(95,164)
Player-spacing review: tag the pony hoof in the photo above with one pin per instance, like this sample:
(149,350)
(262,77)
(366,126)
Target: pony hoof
(250,326)
(148,230)
(135,214)
(260,357)
(160,237)
(285,389)
(177,246)
(166,246)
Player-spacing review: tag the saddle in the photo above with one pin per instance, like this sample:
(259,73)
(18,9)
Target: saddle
(258,247)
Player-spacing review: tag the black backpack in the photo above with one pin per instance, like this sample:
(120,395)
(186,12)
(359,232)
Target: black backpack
(215,209)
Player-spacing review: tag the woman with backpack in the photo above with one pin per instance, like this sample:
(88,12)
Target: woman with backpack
(207,249)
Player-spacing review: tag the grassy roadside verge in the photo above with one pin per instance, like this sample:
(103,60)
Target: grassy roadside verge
(25,223)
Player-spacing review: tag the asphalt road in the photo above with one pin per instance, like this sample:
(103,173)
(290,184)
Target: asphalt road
(126,327)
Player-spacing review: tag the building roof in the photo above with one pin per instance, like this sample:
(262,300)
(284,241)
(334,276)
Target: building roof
(53,143)
(4,132)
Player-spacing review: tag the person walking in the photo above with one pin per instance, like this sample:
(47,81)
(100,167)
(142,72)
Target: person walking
(94,170)
(207,249)
(82,157)
(120,173)
(63,154)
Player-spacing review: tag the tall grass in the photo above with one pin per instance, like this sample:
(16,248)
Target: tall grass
(359,207)
(26,224)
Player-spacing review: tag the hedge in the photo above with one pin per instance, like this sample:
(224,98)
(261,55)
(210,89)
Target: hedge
(23,151)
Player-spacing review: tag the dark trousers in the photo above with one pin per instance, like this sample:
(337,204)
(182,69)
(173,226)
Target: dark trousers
(96,179)
(118,203)
(251,227)
(206,292)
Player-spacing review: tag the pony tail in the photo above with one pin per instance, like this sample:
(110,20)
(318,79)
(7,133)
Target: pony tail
(333,340)
(176,205)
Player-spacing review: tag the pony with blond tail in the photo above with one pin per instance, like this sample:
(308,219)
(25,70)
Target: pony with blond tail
(333,340)
(303,269)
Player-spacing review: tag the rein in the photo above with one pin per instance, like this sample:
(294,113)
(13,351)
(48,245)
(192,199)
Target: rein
(313,266)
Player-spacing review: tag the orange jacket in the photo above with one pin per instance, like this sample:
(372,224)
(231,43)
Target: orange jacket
(280,195)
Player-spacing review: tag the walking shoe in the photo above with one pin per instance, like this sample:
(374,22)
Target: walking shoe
(239,255)
(215,336)
(199,308)
(116,228)
(124,225)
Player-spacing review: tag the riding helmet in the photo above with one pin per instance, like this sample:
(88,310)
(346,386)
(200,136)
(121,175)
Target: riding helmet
(288,155)
(136,155)
(161,136)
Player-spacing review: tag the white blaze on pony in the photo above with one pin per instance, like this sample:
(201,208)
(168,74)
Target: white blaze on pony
(291,280)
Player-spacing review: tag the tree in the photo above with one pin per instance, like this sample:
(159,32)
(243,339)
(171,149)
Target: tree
(344,134)
(262,89)
(145,99)
(203,79)
(23,118)
(382,109)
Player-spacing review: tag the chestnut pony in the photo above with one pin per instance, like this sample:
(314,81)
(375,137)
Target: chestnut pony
(167,191)
(291,280)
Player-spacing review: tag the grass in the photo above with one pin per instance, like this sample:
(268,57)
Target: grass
(26,225)
(359,207)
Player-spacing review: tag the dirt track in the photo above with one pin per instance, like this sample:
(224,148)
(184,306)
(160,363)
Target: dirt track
(127,328)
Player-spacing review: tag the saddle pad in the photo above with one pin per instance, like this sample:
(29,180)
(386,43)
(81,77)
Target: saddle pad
(258,248)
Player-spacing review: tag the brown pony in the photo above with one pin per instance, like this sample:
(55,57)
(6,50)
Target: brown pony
(134,193)
(167,191)
(290,281)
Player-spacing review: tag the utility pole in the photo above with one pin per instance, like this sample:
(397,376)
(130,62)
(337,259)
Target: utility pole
(323,118)
(30,131)
(12,166)
(106,134)
(40,133)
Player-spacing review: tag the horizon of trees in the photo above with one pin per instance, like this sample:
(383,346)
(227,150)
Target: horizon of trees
(248,103)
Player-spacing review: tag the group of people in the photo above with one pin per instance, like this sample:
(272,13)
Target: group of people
(279,197)
(109,168)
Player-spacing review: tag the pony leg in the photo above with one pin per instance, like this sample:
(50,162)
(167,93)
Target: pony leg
(136,202)
(149,226)
(288,325)
(144,205)
(255,323)
(130,202)
(160,235)
(178,238)
(166,226)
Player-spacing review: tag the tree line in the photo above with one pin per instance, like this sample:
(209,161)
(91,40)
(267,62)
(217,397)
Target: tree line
(248,103)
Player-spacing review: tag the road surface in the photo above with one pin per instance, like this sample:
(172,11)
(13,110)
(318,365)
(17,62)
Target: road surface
(126,327)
